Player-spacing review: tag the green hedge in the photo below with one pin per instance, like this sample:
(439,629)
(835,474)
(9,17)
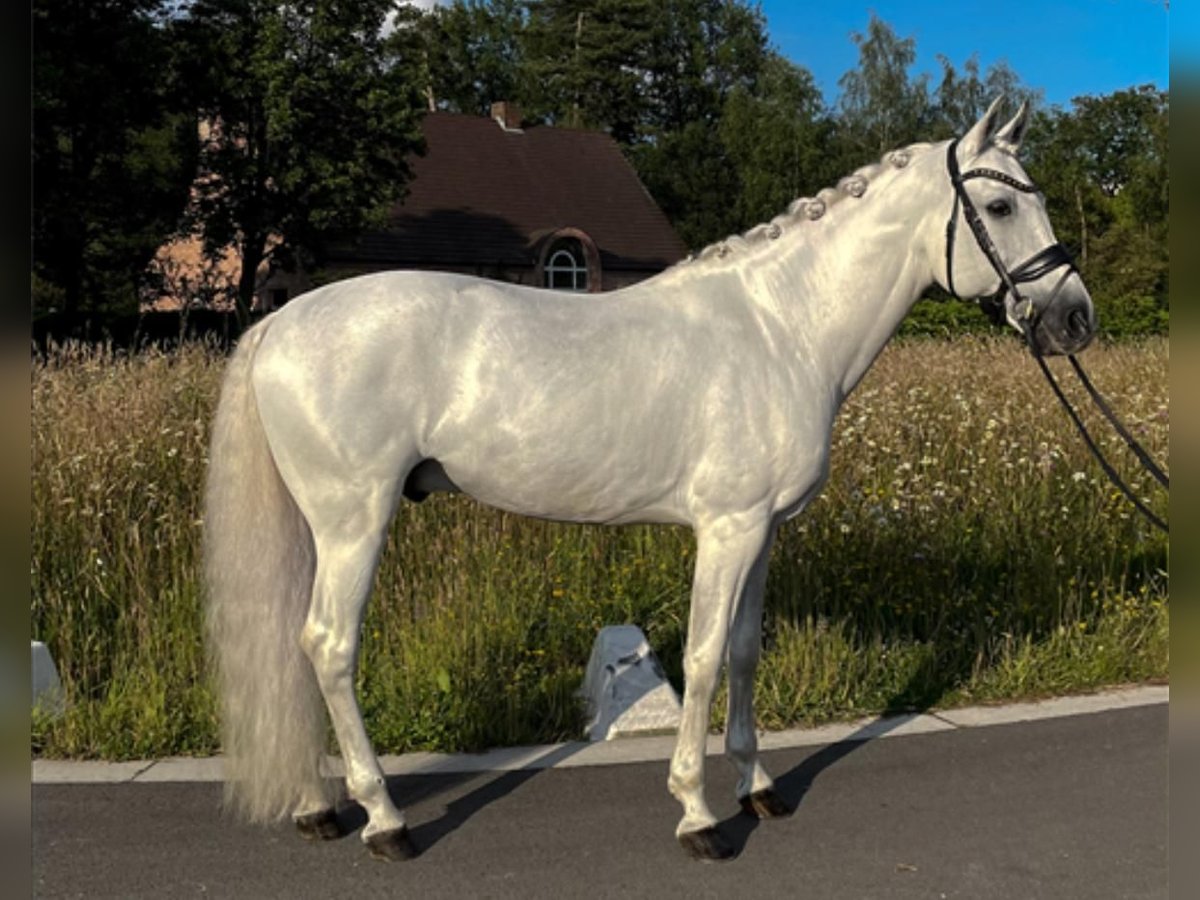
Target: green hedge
(1119,319)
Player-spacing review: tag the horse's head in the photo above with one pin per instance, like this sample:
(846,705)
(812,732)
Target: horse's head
(999,242)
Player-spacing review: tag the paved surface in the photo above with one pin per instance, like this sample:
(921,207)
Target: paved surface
(1073,806)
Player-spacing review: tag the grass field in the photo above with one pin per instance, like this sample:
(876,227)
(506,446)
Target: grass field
(965,549)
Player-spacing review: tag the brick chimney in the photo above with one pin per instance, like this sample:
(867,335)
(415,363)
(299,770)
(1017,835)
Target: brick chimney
(507,115)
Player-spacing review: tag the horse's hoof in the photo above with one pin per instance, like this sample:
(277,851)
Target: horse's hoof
(766,804)
(706,844)
(318,826)
(391,846)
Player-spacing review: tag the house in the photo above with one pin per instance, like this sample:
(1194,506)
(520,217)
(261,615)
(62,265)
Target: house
(553,207)
(536,205)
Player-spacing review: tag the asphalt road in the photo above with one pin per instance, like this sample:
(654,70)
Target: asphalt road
(1072,807)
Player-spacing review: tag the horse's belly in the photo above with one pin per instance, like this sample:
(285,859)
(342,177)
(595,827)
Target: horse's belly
(557,489)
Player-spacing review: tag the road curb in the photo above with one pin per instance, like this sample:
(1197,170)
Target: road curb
(625,750)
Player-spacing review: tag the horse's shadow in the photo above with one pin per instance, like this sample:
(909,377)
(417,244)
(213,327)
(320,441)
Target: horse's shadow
(458,811)
(793,785)
(411,789)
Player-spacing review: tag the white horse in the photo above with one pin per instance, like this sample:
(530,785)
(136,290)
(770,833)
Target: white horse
(704,396)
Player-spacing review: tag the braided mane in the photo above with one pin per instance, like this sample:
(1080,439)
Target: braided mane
(807,209)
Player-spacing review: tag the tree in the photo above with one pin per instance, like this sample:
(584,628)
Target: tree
(1103,169)
(584,63)
(702,53)
(689,174)
(777,138)
(112,155)
(310,112)
(474,53)
(1074,200)
(881,107)
(961,100)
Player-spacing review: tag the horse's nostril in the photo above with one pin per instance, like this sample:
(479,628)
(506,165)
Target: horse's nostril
(1077,320)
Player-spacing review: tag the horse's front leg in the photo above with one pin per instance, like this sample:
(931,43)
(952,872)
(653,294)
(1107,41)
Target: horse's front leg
(726,552)
(755,789)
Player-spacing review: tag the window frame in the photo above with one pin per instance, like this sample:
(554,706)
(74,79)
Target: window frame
(575,271)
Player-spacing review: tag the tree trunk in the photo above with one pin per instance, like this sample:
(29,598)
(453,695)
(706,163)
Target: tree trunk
(76,240)
(1083,235)
(72,283)
(576,119)
(252,256)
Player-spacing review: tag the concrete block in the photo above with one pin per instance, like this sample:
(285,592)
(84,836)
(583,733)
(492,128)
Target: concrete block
(47,688)
(625,688)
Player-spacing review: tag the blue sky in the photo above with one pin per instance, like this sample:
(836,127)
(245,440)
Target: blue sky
(1065,48)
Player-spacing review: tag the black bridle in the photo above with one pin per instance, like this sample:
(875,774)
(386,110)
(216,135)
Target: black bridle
(1037,266)
(1023,315)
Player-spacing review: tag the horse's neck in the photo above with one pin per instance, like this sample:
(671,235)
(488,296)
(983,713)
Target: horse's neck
(846,284)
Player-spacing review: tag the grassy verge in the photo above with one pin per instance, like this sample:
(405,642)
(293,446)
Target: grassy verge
(965,549)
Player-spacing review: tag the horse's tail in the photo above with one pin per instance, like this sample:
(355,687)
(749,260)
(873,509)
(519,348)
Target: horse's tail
(259,569)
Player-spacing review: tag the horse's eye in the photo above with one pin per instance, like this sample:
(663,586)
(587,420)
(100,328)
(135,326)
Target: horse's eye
(999,208)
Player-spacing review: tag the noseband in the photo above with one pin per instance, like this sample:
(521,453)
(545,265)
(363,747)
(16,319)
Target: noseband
(1038,265)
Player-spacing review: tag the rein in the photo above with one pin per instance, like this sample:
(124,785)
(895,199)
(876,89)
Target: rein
(1038,266)
(1142,456)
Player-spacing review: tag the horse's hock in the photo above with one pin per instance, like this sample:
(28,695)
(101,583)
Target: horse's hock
(626,690)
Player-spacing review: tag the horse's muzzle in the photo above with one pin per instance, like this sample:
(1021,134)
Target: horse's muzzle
(1067,326)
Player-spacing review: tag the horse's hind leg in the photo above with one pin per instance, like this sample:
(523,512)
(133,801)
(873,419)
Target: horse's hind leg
(315,819)
(755,789)
(347,556)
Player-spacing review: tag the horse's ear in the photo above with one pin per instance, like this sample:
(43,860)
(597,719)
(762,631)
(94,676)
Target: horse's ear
(1010,136)
(975,140)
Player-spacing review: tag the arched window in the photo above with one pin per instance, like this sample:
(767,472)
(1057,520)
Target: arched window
(566,266)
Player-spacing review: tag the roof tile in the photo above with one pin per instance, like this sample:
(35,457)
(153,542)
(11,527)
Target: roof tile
(484,195)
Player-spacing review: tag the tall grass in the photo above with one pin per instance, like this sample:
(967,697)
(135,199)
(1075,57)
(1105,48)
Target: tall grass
(965,548)
(119,451)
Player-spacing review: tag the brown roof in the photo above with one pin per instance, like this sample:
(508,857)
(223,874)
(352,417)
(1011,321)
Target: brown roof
(484,195)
